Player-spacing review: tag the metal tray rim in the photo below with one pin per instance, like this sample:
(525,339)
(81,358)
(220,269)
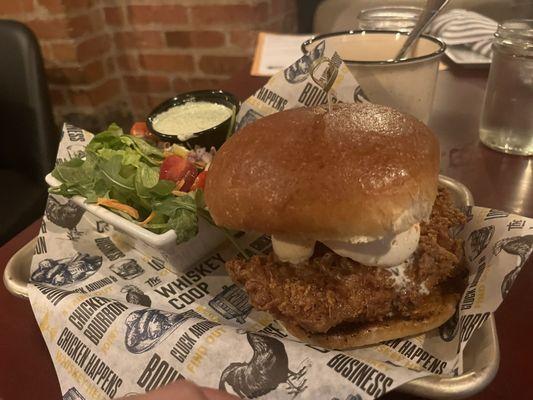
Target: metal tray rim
(470,382)
(431,386)
(461,386)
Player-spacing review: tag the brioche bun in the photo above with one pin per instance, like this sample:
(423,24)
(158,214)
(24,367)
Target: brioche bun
(360,170)
(377,332)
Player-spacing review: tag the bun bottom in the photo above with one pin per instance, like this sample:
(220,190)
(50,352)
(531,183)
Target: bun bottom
(352,336)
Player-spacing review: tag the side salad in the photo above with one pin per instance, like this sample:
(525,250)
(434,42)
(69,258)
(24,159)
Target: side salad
(157,187)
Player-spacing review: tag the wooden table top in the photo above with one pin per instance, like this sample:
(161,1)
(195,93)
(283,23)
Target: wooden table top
(496,180)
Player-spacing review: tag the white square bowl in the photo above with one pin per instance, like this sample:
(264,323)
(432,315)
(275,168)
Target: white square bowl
(179,256)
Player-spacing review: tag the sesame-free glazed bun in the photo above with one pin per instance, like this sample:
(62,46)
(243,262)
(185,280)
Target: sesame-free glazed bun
(360,170)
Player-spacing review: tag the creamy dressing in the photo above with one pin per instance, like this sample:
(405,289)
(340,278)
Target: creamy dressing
(398,275)
(387,251)
(423,289)
(401,280)
(292,250)
(185,120)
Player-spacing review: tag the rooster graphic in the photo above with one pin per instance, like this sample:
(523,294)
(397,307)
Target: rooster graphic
(134,295)
(66,215)
(268,368)
(67,270)
(299,71)
(146,328)
(520,246)
(479,240)
(248,117)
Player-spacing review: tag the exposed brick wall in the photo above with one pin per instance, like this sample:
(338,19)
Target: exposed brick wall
(111,60)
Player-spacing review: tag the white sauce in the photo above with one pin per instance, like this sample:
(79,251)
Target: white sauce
(187,119)
(292,250)
(401,280)
(387,251)
(398,274)
(423,289)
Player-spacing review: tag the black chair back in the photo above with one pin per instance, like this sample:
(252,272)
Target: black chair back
(29,137)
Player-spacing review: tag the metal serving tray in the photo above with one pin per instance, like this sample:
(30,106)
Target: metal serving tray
(481,360)
(481,357)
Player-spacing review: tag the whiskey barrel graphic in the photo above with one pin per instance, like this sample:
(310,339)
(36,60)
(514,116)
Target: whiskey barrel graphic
(231,303)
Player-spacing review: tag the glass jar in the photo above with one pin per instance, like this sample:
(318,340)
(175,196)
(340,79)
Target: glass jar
(507,118)
(389,18)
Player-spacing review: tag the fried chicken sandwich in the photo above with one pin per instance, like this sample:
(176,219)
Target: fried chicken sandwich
(361,243)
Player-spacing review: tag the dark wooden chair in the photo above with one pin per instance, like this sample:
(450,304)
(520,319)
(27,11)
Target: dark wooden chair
(29,138)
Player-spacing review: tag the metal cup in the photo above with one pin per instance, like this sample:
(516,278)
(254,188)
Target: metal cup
(407,84)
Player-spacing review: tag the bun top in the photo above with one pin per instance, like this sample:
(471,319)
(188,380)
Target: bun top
(360,170)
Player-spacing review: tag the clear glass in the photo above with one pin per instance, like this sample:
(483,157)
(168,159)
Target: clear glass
(507,118)
(389,18)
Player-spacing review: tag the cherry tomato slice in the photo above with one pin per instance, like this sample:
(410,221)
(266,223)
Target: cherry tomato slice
(199,183)
(178,169)
(139,129)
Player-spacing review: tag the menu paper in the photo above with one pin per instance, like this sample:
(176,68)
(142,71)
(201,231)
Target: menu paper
(275,51)
(117,322)
(299,86)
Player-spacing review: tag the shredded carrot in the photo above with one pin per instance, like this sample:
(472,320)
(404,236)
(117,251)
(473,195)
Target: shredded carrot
(148,218)
(117,205)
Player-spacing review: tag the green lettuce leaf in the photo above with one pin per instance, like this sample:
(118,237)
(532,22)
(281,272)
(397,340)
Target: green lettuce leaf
(126,168)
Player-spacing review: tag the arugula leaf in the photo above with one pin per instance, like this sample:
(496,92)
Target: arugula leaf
(169,205)
(163,188)
(148,152)
(70,171)
(148,176)
(182,216)
(129,156)
(110,138)
(111,171)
